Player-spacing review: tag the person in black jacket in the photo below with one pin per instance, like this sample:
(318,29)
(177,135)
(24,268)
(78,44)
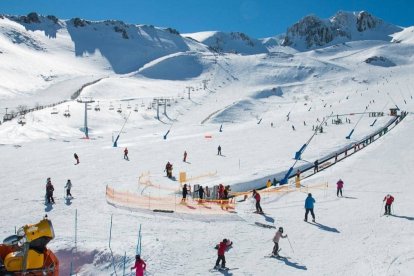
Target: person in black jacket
(185,192)
(49,192)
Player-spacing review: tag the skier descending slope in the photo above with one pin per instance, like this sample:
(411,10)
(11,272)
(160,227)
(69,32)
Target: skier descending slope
(222,247)
(389,199)
(276,238)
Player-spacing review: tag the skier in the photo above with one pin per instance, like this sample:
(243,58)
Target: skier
(274,182)
(222,248)
(257,198)
(200,193)
(225,201)
(68,187)
(268,183)
(49,192)
(185,156)
(168,169)
(219,150)
(139,266)
(185,192)
(126,154)
(316,167)
(389,199)
(309,207)
(220,191)
(276,238)
(339,186)
(293,128)
(77,158)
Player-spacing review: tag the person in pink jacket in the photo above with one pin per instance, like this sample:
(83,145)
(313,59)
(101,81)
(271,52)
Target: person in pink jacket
(139,266)
(276,238)
(339,186)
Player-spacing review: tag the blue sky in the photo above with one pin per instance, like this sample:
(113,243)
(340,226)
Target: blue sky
(257,18)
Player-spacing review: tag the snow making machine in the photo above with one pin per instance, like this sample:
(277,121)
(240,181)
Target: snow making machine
(26,254)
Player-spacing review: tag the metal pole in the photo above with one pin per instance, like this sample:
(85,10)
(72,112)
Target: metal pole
(290,244)
(86,120)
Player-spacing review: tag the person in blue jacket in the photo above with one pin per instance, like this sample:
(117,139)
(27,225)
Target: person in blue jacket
(309,207)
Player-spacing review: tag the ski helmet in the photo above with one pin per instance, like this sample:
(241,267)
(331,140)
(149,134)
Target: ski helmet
(281,229)
(225,240)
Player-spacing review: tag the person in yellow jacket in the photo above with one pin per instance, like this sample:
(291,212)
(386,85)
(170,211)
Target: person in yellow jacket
(268,183)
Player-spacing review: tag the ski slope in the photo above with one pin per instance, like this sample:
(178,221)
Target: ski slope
(350,237)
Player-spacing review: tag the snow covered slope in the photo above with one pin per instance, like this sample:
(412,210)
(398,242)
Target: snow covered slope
(246,96)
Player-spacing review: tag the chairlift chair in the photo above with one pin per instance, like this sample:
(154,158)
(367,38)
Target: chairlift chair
(119,110)
(136,108)
(97,108)
(111,107)
(54,111)
(128,106)
(66,113)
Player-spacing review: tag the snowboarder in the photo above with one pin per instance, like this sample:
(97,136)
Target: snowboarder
(219,150)
(139,266)
(389,199)
(68,187)
(339,186)
(49,192)
(274,182)
(126,154)
(185,156)
(309,207)
(256,196)
(168,169)
(276,238)
(185,192)
(77,158)
(221,249)
(316,166)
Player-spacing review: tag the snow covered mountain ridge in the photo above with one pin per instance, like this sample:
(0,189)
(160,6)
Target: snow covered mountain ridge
(313,32)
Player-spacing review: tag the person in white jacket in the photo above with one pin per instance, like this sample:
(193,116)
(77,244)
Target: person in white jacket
(276,238)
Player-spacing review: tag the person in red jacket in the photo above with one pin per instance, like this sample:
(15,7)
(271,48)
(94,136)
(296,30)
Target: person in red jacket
(257,198)
(339,186)
(222,247)
(126,154)
(139,266)
(389,199)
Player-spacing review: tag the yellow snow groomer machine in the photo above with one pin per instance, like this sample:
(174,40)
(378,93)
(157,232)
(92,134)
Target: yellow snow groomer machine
(26,254)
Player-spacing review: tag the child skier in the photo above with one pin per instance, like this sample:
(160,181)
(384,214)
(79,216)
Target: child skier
(185,156)
(389,199)
(139,266)
(68,187)
(222,247)
(276,238)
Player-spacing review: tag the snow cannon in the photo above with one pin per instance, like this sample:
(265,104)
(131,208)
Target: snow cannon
(26,253)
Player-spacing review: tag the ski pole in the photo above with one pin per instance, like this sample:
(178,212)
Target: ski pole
(382,206)
(392,207)
(290,245)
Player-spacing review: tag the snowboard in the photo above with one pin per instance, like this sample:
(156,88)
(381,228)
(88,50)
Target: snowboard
(222,269)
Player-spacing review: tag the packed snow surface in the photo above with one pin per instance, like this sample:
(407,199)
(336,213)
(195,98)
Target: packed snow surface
(256,99)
